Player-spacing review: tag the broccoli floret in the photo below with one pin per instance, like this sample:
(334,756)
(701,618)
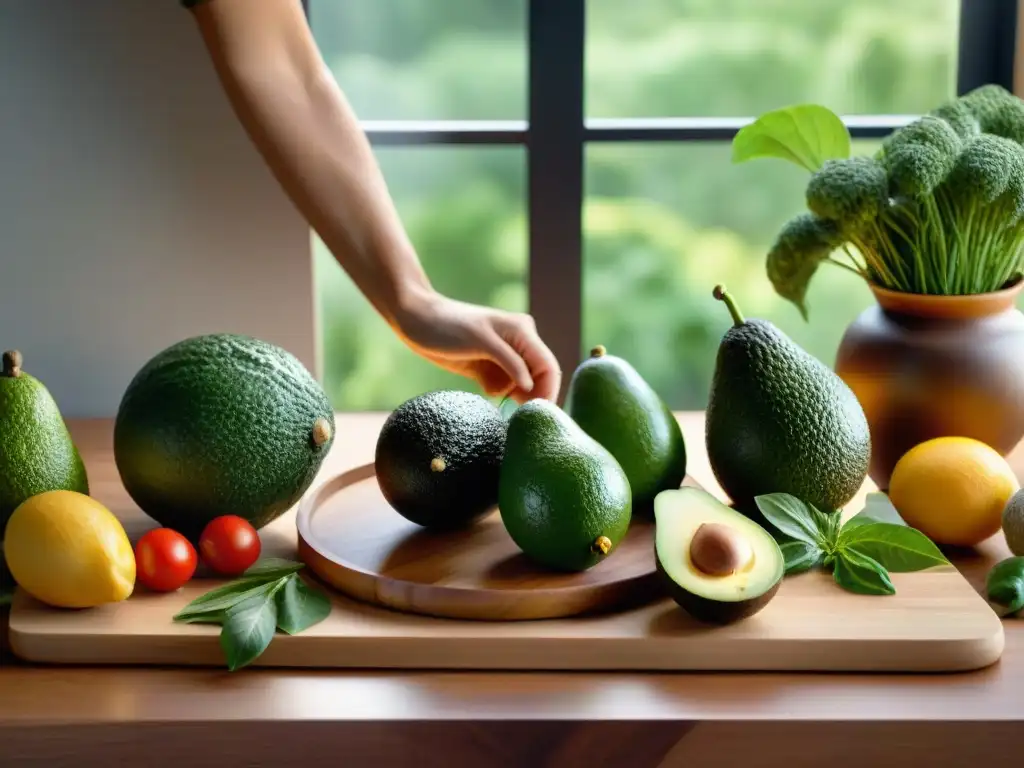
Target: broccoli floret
(1012,199)
(850,192)
(983,169)
(919,156)
(997,111)
(959,117)
(803,243)
(977,213)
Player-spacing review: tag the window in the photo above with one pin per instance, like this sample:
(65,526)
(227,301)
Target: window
(572,158)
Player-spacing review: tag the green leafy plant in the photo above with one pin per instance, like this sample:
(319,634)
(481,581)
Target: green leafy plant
(861,552)
(939,209)
(268,597)
(1004,586)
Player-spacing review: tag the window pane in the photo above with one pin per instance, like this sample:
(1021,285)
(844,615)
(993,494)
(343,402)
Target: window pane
(464,210)
(663,225)
(738,58)
(425,60)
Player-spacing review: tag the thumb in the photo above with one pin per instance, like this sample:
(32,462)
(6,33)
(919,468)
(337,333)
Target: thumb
(510,361)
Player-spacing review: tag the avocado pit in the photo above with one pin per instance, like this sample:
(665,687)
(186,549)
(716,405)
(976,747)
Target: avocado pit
(719,550)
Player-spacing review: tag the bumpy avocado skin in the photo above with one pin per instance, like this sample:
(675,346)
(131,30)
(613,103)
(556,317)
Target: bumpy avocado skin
(466,433)
(220,424)
(37,453)
(780,421)
(609,399)
(561,491)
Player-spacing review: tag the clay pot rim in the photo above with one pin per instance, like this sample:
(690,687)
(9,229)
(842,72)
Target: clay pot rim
(963,307)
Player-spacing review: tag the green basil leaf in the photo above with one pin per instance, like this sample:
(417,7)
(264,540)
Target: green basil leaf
(299,607)
(800,556)
(877,509)
(213,617)
(6,596)
(273,568)
(247,630)
(219,600)
(898,548)
(804,134)
(856,572)
(793,517)
(829,523)
(1005,586)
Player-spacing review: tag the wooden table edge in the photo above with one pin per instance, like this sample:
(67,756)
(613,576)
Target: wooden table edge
(44,700)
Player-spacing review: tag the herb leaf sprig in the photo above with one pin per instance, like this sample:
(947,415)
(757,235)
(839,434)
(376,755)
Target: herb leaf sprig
(861,552)
(268,597)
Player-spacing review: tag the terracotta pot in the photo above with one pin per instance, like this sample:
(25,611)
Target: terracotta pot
(931,366)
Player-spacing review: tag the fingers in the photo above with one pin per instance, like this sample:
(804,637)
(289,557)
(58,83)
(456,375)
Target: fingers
(520,332)
(511,362)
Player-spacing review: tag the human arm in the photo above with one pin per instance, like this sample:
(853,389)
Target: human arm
(300,121)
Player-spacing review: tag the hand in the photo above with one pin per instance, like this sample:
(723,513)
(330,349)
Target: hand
(500,350)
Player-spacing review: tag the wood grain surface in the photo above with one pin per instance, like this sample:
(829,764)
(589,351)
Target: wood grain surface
(935,622)
(94,715)
(353,540)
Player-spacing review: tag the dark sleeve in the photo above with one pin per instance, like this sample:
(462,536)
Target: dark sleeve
(192,3)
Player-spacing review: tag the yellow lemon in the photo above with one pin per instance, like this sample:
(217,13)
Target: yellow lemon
(67,550)
(953,490)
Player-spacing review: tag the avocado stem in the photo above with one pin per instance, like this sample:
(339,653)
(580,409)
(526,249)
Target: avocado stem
(12,364)
(321,431)
(722,295)
(602,545)
(598,351)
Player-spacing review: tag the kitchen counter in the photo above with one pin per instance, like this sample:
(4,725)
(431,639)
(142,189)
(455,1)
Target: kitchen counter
(52,716)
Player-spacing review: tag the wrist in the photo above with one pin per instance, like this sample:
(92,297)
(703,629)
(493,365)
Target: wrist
(413,300)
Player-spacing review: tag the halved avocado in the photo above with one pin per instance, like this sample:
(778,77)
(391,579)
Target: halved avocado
(719,565)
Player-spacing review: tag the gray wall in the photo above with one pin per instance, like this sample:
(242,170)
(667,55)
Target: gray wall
(133,210)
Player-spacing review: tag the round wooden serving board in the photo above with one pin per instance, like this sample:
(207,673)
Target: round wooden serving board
(353,540)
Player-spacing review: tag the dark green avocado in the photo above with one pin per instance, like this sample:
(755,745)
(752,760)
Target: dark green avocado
(613,403)
(780,421)
(438,458)
(718,565)
(564,499)
(221,424)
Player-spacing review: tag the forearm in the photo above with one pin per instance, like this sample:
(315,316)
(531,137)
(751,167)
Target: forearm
(310,138)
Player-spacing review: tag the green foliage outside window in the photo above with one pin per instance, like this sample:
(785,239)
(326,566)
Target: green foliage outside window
(664,222)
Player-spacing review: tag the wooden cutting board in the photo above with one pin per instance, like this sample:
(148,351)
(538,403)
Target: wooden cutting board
(935,622)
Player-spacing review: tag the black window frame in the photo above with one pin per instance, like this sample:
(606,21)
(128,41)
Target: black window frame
(556,133)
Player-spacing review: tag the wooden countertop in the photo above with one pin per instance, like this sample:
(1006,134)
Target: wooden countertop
(56,716)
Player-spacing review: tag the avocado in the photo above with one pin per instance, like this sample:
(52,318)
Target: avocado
(1013,523)
(221,424)
(613,404)
(37,452)
(719,566)
(564,499)
(779,421)
(438,458)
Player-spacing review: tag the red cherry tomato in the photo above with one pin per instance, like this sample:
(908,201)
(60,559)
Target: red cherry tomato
(164,560)
(229,545)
